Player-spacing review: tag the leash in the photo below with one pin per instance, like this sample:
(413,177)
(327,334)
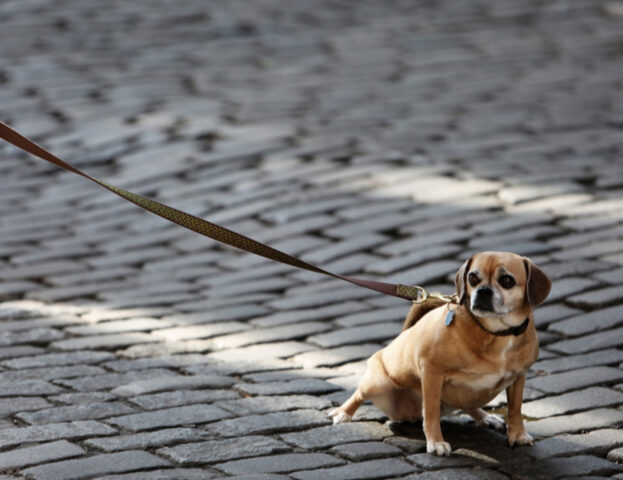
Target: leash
(211,230)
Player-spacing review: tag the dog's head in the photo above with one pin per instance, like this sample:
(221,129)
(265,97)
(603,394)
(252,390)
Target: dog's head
(501,288)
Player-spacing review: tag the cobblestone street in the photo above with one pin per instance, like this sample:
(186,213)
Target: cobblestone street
(382,139)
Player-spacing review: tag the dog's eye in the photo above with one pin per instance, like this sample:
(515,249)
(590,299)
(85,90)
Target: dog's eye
(506,281)
(473,279)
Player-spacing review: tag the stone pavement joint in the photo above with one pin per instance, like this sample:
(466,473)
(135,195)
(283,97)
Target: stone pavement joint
(383,139)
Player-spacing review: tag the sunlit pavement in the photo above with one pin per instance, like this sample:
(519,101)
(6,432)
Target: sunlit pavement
(388,140)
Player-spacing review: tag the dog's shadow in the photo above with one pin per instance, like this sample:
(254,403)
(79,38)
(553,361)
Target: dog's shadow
(473,446)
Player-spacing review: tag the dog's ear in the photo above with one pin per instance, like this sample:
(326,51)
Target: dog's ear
(538,285)
(461,278)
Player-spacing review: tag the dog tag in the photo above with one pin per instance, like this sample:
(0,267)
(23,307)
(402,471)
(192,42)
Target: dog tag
(449,318)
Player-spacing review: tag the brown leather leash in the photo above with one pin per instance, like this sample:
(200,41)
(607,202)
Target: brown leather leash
(216,232)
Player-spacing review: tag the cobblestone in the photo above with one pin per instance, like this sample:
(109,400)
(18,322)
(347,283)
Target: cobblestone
(384,140)
(279,463)
(597,441)
(96,465)
(169,417)
(145,440)
(24,457)
(221,450)
(365,450)
(387,468)
(94,410)
(268,423)
(334,435)
(54,431)
(589,420)
(584,377)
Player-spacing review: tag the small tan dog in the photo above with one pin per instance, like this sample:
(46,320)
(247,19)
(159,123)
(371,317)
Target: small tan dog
(461,356)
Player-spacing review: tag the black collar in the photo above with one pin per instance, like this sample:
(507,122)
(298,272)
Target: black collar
(516,331)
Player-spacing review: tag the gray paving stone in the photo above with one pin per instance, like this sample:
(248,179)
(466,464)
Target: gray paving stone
(220,450)
(279,463)
(167,474)
(459,474)
(616,455)
(367,333)
(320,298)
(36,335)
(144,441)
(117,326)
(430,462)
(589,322)
(41,433)
(570,286)
(169,417)
(95,465)
(261,476)
(112,380)
(271,334)
(589,420)
(552,313)
(589,343)
(561,467)
(336,434)
(596,442)
(82,398)
(255,405)
(268,423)
(50,359)
(381,468)
(158,384)
(90,411)
(609,356)
(103,341)
(565,381)
(19,351)
(320,313)
(43,322)
(411,259)
(373,316)
(407,444)
(164,361)
(300,386)
(29,388)
(40,270)
(9,406)
(47,452)
(335,356)
(52,373)
(594,397)
(181,397)
(365,450)
(200,331)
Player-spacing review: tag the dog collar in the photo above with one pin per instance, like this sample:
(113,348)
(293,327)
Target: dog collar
(516,331)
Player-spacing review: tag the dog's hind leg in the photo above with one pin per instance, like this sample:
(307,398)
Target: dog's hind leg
(373,384)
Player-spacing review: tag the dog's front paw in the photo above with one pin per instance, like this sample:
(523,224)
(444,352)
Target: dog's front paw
(339,416)
(519,437)
(494,421)
(439,448)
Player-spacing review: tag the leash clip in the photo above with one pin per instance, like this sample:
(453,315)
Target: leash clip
(423,295)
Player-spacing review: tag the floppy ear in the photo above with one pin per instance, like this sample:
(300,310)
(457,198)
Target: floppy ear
(538,285)
(461,278)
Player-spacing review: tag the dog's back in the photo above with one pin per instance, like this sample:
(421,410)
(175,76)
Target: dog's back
(418,310)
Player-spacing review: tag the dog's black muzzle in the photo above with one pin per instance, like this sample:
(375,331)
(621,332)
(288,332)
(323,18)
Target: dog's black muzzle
(484,299)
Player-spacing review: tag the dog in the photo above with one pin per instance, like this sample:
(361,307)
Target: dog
(461,355)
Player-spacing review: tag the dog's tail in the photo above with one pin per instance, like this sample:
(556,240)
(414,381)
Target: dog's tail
(418,310)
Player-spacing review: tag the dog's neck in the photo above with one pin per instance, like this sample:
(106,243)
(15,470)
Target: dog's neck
(515,331)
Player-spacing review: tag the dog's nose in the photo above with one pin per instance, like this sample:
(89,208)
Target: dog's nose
(485,292)
(484,298)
